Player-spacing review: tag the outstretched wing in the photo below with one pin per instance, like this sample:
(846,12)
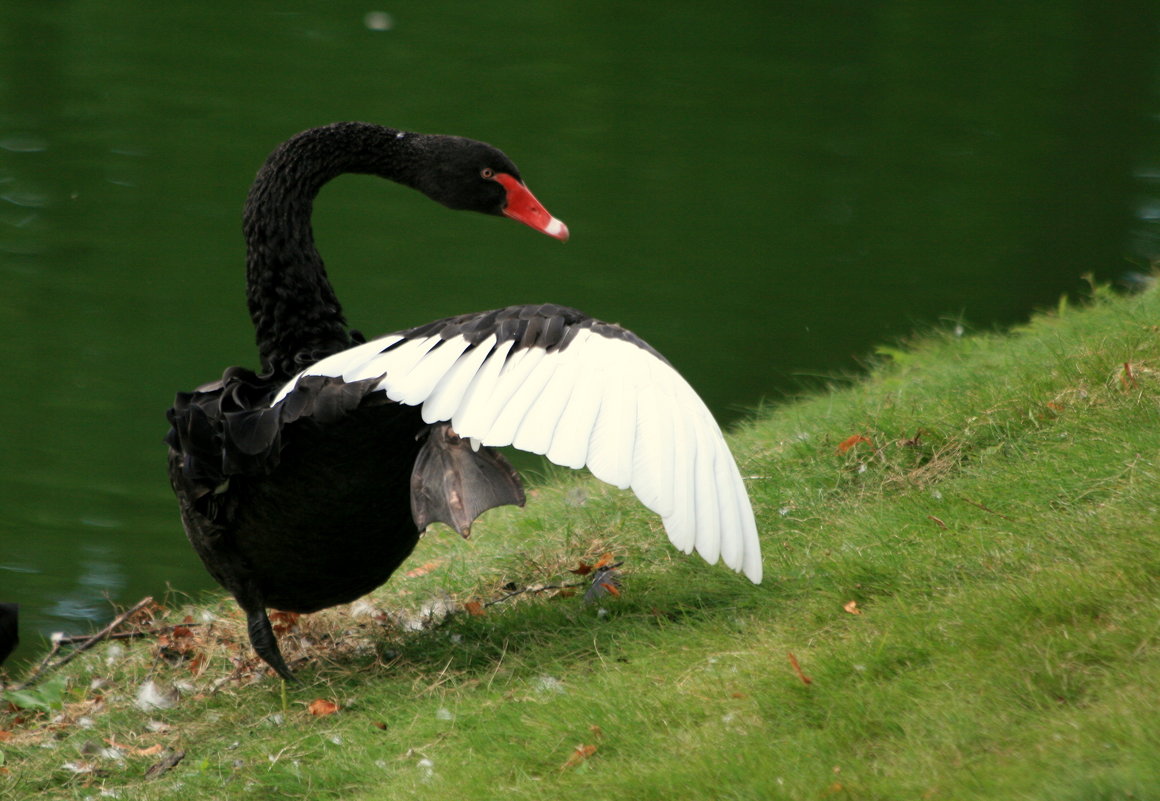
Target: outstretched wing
(550,380)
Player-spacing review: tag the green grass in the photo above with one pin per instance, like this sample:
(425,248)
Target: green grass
(999,536)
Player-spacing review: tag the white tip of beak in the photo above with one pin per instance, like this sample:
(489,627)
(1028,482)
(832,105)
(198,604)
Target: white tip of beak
(557,229)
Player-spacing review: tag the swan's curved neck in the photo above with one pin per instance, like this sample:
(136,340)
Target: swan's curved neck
(297,317)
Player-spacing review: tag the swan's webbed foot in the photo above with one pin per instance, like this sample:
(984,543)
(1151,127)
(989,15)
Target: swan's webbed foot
(453,482)
(266,644)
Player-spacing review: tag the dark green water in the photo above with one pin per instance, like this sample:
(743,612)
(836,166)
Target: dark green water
(763,190)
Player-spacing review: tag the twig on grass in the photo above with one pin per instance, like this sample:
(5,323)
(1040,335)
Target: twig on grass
(72,639)
(604,575)
(985,508)
(82,644)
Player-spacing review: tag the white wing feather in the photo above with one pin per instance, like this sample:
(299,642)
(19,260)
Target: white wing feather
(601,402)
(448,393)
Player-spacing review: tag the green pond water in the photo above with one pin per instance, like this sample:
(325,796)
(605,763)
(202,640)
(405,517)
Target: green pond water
(763,190)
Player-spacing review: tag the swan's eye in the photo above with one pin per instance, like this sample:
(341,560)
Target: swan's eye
(487,172)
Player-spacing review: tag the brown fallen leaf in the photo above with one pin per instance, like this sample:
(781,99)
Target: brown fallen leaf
(1126,378)
(423,569)
(937,521)
(132,749)
(852,607)
(475,609)
(283,622)
(602,561)
(321,706)
(851,441)
(806,680)
(578,756)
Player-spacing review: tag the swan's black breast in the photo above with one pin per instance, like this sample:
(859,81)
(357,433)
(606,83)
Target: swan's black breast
(301,506)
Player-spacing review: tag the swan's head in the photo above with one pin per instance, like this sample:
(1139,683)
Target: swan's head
(466,174)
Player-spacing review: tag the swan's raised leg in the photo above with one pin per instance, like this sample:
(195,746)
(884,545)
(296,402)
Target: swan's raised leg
(454,483)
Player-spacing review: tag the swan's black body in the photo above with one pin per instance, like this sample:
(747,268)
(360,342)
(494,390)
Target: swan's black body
(308,505)
(307,485)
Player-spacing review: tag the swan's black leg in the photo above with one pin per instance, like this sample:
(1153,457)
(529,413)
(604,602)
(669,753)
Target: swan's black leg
(266,644)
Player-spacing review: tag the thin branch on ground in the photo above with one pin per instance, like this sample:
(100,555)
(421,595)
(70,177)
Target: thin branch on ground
(82,643)
(600,573)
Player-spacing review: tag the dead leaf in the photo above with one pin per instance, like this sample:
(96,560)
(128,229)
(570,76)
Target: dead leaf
(152,750)
(850,442)
(283,622)
(132,749)
(423,569)
(1126,377)
(937,522)
(602,561)
(578,756)
(320,707)
(806,680)
(475,609)
(852,607)
(5,735)
(582,569)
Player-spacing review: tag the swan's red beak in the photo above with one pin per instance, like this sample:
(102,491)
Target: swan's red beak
(523,207)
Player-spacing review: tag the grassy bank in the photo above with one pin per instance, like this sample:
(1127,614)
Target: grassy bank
(962,601)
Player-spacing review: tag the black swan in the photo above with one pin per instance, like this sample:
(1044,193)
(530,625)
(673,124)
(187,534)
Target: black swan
(305,486)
